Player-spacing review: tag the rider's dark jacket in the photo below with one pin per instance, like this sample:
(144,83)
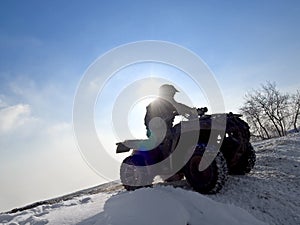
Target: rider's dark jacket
(166,109)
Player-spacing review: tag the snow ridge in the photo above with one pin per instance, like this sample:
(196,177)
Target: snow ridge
(268,194)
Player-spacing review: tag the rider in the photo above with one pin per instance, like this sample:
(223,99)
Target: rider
(162,112)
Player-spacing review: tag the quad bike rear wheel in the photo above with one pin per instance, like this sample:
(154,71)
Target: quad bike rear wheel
(210,180)
(237,150)
(246,162)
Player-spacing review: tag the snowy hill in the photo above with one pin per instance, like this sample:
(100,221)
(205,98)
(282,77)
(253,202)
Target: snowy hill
(268,195)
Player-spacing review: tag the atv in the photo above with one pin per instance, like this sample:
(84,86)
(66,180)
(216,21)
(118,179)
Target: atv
(232,153)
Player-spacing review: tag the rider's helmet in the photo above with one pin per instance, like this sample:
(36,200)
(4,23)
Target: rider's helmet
(167,90)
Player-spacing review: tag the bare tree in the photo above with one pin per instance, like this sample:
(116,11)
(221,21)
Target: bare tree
(268,110)
(255,117)
(295,109)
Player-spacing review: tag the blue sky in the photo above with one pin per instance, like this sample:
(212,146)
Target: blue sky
(45,48)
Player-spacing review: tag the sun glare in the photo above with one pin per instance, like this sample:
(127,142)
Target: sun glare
(136,117)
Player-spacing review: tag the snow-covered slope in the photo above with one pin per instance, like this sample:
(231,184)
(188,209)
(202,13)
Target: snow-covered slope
(270,193)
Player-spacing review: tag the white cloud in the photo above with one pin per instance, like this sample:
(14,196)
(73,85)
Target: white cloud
(3,104)
(41,156)
(43,165)
(51,101)
(14,117)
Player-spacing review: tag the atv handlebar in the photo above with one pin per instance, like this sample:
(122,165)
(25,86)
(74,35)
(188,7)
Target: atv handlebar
(202,111)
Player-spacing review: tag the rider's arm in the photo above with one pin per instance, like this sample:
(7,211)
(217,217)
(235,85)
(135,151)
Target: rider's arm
(185,110)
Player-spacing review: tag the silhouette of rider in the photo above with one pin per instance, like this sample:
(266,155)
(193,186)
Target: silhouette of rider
(160,116)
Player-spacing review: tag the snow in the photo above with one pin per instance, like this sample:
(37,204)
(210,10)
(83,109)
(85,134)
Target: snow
(160,205)
(271,191)
(66,212)
(168,205)
(267,195)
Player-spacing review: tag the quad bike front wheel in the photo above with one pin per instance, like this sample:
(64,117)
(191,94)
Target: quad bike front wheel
(210,180)
(134,174)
